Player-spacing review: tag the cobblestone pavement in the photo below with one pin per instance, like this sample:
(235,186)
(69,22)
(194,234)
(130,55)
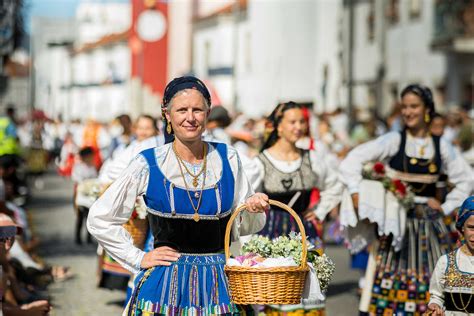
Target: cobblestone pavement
(53,218)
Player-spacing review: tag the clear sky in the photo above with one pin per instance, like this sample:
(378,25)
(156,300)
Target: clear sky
(55,8)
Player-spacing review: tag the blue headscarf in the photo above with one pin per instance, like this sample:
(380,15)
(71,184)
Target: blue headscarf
(176,85)
(466,210)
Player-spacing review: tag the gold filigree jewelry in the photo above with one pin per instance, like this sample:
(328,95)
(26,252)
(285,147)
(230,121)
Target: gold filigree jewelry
(427,118)
(196,194)
(432,168)
(204,163)
(465,250)
(168,127)
(464,306)
(422,150)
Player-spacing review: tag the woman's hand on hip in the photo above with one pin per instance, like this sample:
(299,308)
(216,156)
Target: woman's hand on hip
(161,256)
(257,203)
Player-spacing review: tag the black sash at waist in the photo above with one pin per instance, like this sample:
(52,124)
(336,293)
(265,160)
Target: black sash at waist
(186,235)
(455,302)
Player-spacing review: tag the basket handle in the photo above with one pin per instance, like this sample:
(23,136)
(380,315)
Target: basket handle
(282,206)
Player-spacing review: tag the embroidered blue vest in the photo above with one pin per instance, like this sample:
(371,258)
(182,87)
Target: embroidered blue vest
(170,212)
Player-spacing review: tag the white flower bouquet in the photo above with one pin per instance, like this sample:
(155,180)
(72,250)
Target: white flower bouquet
(90,188)
(260,251)
(88,191)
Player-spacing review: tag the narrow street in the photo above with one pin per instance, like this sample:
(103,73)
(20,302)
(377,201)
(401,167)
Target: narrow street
(53,222)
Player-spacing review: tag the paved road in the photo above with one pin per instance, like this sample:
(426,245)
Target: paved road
(54,223)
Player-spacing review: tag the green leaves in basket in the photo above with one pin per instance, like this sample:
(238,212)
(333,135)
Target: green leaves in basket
(291,246)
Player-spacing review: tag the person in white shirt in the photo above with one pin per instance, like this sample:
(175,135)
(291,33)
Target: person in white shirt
(146,136)
(83,169)
(416,157)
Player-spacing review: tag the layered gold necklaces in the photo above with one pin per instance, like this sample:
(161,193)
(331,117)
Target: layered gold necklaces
(195,177)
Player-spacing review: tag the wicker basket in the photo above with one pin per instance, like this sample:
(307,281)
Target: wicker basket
(279,285)
(138,229)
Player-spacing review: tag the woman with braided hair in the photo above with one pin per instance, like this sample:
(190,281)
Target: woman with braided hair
(289,174)
(398,276)
(190,188)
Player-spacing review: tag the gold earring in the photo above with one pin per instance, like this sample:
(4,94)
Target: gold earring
(168,128)
(427,118)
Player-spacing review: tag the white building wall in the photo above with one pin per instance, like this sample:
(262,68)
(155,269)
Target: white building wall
(60,79)
(95,95)
(81,68)
(409,55)
(328,18)
(179,38)
(402,48)
(92,94)
(366,53)
(207,7)
(280,48)
(214,48)
(96,19)
(46,31)
(283,63)
(120,57)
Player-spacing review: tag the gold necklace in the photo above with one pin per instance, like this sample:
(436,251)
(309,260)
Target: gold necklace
(464,306)
(204,163)
(415,161)
(195,208)
(466,251)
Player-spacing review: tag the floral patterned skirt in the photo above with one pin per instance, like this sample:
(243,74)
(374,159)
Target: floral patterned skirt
(402,278)
(193,285)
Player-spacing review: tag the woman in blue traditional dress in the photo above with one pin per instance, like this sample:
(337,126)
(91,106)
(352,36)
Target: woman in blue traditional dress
(190,188)
(403,266)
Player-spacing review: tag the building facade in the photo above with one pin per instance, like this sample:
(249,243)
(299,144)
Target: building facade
(259,53)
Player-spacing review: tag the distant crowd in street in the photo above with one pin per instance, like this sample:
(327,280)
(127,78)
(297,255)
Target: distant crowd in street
(94,154)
